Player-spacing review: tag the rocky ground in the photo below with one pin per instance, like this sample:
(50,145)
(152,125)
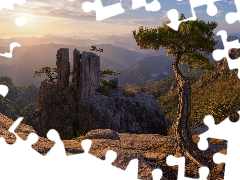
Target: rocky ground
(150,149)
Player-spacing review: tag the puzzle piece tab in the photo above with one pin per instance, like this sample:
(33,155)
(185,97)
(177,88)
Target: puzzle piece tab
(232,17)
(153,6)
(9,4)
(12,46)
(225,130)
(219,54)
(180,162)
(4,90)
(157,174)
(103,13)
(173,14)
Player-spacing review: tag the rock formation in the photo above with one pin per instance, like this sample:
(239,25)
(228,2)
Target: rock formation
(133,114)
(77,108)
(89,77)
(63,67)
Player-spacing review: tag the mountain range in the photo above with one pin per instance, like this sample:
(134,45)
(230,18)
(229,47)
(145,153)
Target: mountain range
(120,53)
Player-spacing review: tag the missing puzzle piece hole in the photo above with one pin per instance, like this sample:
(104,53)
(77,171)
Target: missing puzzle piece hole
(219,158)
(86,145)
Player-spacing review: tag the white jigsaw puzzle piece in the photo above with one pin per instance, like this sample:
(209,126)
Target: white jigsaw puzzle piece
(20,155)
(232,17)
(219,132)
(180,162)
(153,6)
(4,90)
(58,149)
(103,169)
(157,174)
(219,54)
(12,46)
(173,14)
(103,13)
(9,4)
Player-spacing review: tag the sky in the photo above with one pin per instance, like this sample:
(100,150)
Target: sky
(63,17)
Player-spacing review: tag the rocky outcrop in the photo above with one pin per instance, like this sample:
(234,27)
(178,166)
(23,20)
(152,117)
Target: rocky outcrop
(76,68)
(89,77)
(78,108)
(133,114)
(55,111)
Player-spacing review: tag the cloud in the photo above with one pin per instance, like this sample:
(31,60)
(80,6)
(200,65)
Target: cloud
(164,17)
(219,13)
(138,22)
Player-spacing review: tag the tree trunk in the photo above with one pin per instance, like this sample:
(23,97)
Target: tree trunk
(185,144)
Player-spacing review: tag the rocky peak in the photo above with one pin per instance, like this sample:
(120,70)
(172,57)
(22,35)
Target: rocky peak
(79,108)
(89,78)
(76,68)
(63,67)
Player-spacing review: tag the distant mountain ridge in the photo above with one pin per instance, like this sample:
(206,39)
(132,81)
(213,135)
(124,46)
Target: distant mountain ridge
(152,67)
(27,59)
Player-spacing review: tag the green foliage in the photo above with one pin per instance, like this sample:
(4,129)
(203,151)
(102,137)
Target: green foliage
(94,48)
(190,45)
(215,93)
(105,72)
(106,85)
(51,73)
(193,42)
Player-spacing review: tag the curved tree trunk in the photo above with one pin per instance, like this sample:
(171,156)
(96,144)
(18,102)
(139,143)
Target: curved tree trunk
(185,144)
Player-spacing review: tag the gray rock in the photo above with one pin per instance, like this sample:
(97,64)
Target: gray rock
(78,108)
(76,68)
(89,78)
(63,67)
(135,114)
(102,134)
(54,111)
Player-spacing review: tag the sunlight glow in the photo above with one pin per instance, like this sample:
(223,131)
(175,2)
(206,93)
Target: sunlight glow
(20,21)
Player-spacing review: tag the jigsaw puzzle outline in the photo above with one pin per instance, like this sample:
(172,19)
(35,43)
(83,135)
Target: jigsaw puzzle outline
(57,158)
(173,16)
